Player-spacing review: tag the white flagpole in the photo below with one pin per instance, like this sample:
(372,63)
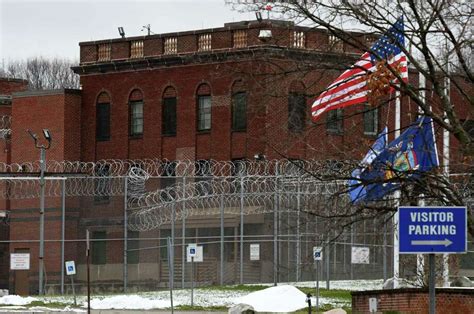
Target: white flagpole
(420,259)
(447,86)
(396,244)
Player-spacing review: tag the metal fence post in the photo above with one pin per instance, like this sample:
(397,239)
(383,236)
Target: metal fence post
(183,234)
(241,230)
(275,229)
(221,279)
(63,231)
(298,244)
(173,227)
(125,236)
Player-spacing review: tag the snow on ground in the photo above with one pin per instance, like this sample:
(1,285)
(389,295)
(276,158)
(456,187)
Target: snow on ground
(129,302)
(16,300)
(205,297)
(275,299)
(352,285)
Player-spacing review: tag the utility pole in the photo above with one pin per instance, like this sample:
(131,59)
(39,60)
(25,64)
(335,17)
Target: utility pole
(42,149)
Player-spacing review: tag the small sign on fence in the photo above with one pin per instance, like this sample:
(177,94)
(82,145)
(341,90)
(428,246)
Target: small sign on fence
(20,261)
(70,268)
(194,251)
(317,253)
(360,255)
(254,252)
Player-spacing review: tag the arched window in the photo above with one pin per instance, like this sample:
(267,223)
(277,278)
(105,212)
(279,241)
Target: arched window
(168,113)
(136,113)
(239,106)
(296,107)
(204,118)
(102,110)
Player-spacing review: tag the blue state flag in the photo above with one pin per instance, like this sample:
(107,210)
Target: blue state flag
(357,190)
(407,157)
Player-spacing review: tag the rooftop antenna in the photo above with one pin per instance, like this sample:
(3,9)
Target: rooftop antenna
(148,28)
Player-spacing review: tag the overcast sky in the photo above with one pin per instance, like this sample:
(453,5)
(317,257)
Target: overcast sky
(54,28)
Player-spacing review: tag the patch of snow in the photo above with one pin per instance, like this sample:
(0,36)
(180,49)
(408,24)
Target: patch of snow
(275,299)
(351,285)
(128,302)
(16,300)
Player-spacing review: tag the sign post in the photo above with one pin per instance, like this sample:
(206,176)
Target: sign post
(432,230)
(318,257)
(71,271)
(192,253)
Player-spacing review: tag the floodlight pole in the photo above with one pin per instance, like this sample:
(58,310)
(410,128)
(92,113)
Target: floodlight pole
(42,148)
(41,248)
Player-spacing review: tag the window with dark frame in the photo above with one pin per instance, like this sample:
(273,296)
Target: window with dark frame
(103,121)
(296,112)
(371,120)
(169,116)
(99,248)
(136,118)
(204,112)
(334,121)
(239,111)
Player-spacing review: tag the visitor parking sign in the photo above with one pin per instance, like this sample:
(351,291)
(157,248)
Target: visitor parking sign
(432,230)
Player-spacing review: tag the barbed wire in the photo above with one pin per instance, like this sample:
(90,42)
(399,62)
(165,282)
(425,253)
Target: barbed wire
(233,196)
(160,167)
(200,187)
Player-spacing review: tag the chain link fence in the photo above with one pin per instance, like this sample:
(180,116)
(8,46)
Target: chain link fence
(256,221)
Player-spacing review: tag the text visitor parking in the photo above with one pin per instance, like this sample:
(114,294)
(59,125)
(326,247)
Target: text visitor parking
(432,217)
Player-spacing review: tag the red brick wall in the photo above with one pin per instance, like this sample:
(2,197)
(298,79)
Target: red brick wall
(453,301)
(267,128)
(9,86)
(37,113)
(58,111)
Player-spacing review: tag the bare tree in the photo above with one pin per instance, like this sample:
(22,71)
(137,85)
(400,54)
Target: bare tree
(42,73)
(438,45)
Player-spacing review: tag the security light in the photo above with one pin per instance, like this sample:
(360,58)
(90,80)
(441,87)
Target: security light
(47,135)
(121,32)
(259,157)
(33,135)
(259,16)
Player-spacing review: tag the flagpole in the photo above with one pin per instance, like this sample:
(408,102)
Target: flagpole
(420,259)
(396,195)
(446,142)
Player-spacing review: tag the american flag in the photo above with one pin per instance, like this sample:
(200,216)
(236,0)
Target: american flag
(350,88)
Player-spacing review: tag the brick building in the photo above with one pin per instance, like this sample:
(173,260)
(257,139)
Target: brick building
(215,94)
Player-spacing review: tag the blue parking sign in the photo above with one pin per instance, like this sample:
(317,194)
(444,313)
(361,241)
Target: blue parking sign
(432,230)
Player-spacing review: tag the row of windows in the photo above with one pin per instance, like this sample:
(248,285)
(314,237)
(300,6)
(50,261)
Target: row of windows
(169,115)
(170,45)
(296,116)
(204,43)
